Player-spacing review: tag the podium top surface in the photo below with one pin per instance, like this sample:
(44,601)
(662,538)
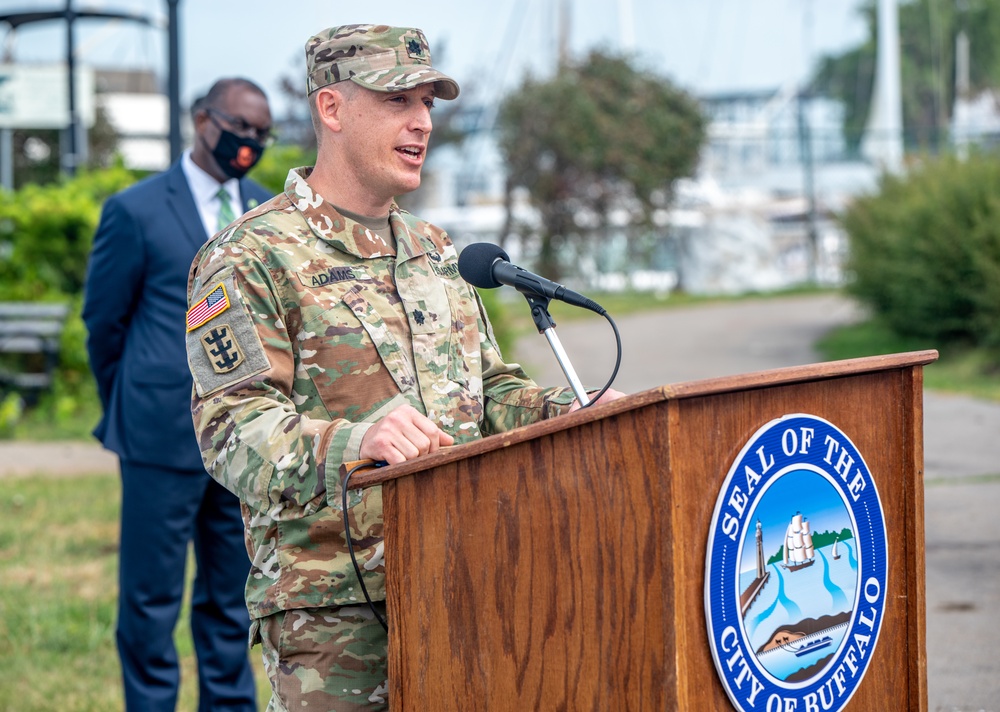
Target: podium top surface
(677,391)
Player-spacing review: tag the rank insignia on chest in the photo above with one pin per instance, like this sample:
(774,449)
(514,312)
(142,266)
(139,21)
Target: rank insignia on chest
(214,303)
(222,348)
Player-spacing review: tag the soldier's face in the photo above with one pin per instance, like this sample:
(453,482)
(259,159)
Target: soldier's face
(387,139)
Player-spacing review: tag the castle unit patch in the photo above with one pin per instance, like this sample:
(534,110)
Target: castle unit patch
(795,571)
(222,348)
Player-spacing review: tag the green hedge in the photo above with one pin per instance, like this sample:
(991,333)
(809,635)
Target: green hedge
(46,232)
(925,251)
(275,164)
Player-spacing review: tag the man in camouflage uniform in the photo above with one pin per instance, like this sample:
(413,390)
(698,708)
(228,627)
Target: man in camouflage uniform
(328,326)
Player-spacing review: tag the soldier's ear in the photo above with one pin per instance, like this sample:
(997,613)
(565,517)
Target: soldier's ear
(330,106)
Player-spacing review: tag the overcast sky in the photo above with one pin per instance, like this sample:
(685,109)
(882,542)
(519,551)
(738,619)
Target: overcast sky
(705,46)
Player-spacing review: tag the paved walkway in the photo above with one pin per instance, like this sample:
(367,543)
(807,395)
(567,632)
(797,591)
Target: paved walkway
(961,443)
(54,459)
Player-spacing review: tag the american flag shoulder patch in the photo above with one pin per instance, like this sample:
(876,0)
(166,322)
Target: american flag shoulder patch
(213,304)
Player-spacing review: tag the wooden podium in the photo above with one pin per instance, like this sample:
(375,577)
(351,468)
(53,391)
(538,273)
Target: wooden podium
(561,566)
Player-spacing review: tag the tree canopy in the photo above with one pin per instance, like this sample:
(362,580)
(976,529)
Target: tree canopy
(601,134)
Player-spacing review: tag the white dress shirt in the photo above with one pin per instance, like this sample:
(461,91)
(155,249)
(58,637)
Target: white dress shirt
(205,190)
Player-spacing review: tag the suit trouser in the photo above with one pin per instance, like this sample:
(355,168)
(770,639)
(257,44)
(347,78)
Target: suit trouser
(162,511)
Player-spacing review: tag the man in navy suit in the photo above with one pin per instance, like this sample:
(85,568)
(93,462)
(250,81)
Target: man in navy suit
(134,308)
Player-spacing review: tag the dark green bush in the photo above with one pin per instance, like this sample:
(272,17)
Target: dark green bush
(499,318)
(925,251)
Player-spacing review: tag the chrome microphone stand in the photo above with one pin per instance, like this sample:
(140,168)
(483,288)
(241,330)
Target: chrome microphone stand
(545,324)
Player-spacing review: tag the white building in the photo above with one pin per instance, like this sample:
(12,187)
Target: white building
(139,111)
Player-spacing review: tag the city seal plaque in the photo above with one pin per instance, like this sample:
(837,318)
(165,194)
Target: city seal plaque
(795,572)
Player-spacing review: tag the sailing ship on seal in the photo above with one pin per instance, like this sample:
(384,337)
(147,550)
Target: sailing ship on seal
(798,552)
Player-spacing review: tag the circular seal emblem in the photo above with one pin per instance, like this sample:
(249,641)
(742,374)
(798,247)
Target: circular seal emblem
(795,572)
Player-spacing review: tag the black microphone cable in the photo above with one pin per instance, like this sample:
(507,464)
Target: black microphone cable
(350,544)
(618,360)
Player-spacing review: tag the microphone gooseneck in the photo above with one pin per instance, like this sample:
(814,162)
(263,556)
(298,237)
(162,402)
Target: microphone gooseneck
(487,266)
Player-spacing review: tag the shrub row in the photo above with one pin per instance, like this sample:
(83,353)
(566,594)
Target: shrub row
(925,251)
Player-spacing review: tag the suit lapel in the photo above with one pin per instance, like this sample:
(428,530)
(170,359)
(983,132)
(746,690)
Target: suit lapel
(181,203)
(249,201)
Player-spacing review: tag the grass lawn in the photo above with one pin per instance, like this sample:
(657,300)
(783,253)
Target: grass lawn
(972,372)
(58,592)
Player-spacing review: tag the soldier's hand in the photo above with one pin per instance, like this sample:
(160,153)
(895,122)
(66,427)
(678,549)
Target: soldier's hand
(405,433)
(609,395)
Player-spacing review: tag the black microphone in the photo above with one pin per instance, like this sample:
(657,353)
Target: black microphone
(487,266)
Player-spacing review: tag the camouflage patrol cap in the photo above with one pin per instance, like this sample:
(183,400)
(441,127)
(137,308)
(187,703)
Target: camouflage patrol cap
(377,57)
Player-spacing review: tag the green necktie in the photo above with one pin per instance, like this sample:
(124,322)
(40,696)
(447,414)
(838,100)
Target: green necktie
(226,214)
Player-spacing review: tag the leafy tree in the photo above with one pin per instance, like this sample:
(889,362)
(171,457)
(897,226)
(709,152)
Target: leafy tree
(928,31)
(602,134)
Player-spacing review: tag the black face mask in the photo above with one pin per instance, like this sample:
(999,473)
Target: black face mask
(236,154)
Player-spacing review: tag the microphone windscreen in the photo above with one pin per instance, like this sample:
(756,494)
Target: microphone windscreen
(475,264)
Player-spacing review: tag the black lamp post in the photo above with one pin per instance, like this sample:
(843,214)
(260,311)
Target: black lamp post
(71,158)
(174,79)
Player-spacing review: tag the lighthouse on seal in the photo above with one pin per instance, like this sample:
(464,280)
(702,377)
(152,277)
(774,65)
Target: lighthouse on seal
(760,552)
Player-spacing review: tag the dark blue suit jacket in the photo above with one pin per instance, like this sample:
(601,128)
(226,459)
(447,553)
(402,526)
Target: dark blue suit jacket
(134,307)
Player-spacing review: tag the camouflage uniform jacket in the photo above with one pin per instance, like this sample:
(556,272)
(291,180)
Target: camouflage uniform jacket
(304,329)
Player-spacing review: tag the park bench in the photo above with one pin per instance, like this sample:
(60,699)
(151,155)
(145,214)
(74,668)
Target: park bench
(29,346)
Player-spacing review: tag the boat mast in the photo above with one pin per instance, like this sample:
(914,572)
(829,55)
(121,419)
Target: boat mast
(883,142)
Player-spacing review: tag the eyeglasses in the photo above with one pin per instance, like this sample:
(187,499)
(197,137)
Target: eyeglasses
(242,128)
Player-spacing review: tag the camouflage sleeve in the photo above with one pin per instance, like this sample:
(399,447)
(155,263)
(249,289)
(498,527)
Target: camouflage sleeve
(511,398)
(253,438)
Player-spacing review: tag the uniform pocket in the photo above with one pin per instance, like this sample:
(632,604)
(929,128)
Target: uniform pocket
(389,348)
(466,365)
(352,354)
